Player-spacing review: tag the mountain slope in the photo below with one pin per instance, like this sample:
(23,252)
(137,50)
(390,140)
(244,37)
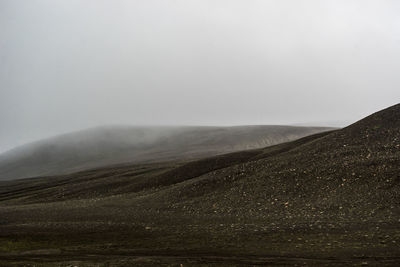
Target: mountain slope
(114,145)
(327,199)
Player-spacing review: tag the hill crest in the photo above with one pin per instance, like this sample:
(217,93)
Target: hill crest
(105,146)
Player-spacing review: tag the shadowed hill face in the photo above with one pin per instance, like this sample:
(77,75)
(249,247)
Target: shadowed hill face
(116,145)
(380,126)
(376,134)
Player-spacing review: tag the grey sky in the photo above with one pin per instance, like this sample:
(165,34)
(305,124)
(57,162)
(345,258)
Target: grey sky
(68,65)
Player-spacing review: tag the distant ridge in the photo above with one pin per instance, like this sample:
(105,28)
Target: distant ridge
(102,146)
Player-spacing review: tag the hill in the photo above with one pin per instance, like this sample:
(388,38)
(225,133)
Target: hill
(327,199)
(104,146)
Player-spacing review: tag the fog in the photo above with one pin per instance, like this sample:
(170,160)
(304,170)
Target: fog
(69,65)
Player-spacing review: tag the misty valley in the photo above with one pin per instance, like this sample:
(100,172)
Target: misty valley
(200,133)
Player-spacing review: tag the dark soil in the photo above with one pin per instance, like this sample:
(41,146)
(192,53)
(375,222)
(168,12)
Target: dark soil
(328,199)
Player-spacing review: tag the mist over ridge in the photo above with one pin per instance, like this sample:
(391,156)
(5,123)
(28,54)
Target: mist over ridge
(70,65)
(103,146)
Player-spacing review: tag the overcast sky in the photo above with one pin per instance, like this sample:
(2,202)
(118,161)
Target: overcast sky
(68,65)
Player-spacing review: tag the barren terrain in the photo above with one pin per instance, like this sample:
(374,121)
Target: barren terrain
(327,199)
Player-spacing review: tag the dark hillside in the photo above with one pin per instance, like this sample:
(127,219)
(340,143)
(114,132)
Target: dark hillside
(327,199)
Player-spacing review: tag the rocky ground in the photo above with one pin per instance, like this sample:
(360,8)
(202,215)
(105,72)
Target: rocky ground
(327,199)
